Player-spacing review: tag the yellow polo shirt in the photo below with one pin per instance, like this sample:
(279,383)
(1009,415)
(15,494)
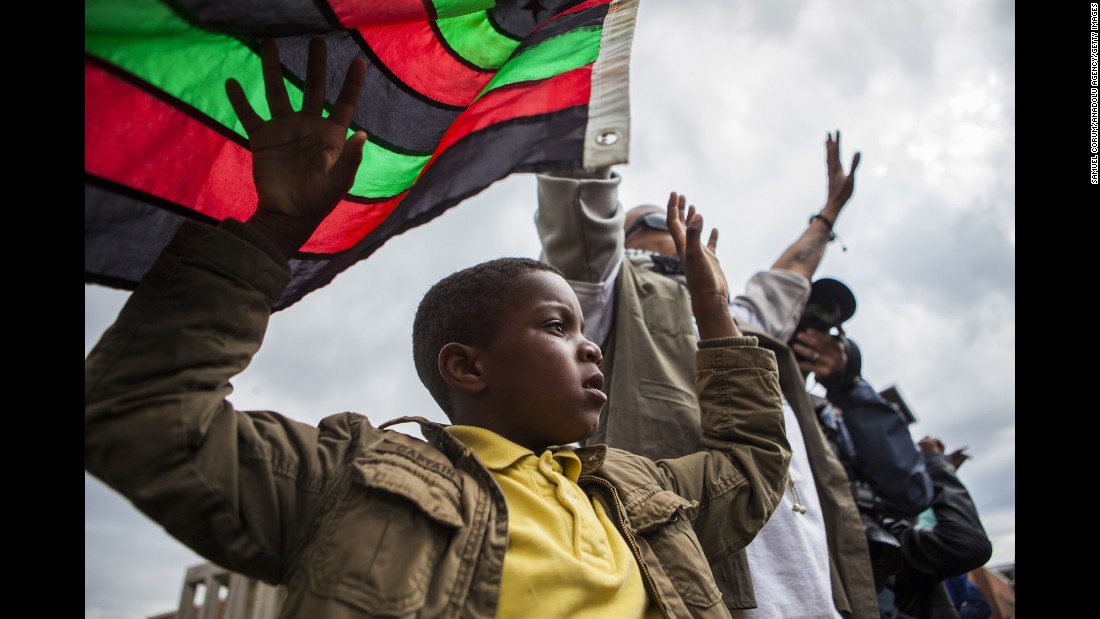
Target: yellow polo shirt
(565,557)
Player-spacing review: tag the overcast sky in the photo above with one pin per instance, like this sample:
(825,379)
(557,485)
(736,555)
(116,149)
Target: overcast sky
(731,103)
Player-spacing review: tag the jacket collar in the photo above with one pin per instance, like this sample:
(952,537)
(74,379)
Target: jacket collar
(434,434)
(591,457)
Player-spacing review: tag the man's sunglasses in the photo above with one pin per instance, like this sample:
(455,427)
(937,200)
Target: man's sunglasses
(654,221)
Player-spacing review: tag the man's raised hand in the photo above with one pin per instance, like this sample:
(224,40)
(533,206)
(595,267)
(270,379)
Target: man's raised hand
(841,185)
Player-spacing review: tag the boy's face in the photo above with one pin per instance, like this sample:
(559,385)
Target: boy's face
(542,375)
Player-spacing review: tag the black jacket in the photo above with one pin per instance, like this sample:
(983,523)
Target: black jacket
(955,545)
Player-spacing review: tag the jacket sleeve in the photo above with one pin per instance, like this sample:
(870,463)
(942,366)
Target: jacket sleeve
(957,543)
(158,428)
(580,223)
(885,455)
(739,478)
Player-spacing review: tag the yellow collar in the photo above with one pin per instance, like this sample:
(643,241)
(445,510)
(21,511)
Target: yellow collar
(498,453)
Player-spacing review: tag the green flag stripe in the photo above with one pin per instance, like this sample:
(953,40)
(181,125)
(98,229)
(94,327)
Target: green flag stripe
(476,40)
(147,39)
(553,56)
(385,173)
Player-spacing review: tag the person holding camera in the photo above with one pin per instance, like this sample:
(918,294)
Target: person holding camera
(869,433)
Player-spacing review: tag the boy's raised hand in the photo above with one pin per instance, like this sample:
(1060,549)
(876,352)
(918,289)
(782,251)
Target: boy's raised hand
(302,162)
(706,281)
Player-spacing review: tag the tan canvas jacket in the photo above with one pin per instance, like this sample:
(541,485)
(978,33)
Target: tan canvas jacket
(362,521)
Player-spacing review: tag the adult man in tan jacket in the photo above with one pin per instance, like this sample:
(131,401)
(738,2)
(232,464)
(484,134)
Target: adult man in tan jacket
(624,269)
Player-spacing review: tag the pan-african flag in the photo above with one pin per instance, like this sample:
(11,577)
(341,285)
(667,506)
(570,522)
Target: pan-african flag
(459,94)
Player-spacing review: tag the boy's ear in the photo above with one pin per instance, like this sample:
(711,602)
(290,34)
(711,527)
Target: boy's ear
(461,367)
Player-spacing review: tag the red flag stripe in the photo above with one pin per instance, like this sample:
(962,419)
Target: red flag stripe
(212,175)
(355,13)
(349,224)
(549,95)
(415,56)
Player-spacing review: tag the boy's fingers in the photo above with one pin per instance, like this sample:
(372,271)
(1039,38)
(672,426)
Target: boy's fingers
(673,200)
(694,230)
(250,120)
(855,163)
(672,215)
(277,100)
(348,100)
(313,99)
(348,163)
(713,242)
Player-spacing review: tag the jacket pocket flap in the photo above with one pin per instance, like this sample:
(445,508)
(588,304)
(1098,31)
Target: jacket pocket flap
(662,508)
(430,484)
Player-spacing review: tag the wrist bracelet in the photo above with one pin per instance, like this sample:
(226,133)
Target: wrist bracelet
(828,224)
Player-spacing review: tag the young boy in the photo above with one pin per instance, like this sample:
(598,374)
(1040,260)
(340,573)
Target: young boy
(490,517)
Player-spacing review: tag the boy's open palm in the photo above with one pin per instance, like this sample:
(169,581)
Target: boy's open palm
(706,281)
(302,162)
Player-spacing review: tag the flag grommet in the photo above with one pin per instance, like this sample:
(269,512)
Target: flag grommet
(607,138)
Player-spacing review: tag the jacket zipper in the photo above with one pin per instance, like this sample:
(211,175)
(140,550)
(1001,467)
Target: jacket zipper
(630,542)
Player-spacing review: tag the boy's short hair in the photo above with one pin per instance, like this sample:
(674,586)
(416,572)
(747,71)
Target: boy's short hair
(463,307)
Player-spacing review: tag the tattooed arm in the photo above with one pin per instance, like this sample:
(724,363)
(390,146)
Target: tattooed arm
(804,255)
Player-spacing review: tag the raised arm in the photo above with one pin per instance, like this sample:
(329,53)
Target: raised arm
(739,479)
(580,223)
(235,487)
(706,281)
(804,255)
